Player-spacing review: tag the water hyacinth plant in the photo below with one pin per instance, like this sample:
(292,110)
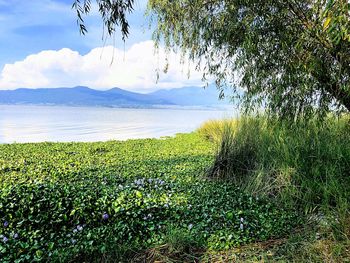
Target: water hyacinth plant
(121,199)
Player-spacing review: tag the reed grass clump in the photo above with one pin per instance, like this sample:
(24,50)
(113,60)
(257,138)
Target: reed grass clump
(304,162)
(213,130)
(236,151)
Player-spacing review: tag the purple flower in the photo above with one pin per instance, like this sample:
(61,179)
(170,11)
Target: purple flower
(79,228)
(139,182)
(105,216)
(15,235)
(5,239)
(6,224)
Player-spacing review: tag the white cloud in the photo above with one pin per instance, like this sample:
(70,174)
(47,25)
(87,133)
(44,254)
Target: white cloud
(101,68)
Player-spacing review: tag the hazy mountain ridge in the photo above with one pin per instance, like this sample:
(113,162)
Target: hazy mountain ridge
(190,96)
(115,97)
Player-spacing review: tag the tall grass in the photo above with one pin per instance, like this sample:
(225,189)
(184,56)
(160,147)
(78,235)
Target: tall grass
(213,129)
(307,163)
(236,155)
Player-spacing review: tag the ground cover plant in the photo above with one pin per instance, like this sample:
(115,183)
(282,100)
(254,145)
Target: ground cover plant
(110,201)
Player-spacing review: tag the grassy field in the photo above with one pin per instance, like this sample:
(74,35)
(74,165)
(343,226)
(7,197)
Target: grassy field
(180,199)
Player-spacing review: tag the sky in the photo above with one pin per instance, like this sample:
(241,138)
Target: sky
(41,47)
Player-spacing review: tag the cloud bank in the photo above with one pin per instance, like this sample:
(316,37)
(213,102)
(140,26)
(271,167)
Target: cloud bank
(101,68)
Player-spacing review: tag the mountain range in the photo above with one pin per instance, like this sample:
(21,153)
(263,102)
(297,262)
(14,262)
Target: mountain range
(115,97)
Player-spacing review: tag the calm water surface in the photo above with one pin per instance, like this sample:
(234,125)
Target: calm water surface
(84,124)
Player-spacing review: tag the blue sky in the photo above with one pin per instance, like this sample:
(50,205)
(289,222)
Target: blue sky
(28,27)
(40,46)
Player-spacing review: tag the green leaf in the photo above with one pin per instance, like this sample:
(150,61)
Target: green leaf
(326,23)
(39,253)
(138,194)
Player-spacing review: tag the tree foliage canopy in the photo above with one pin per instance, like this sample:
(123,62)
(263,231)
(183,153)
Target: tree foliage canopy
(290,56)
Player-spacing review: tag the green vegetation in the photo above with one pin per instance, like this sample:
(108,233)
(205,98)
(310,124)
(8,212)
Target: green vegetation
(304,165)
(113,13)
(292,58)
(308,160)
(248,189)
(63,202)
(268,177)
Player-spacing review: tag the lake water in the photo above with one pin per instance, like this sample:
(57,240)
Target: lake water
(84,124)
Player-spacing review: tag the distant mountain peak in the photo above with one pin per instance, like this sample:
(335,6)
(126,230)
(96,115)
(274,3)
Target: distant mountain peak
(81,88)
